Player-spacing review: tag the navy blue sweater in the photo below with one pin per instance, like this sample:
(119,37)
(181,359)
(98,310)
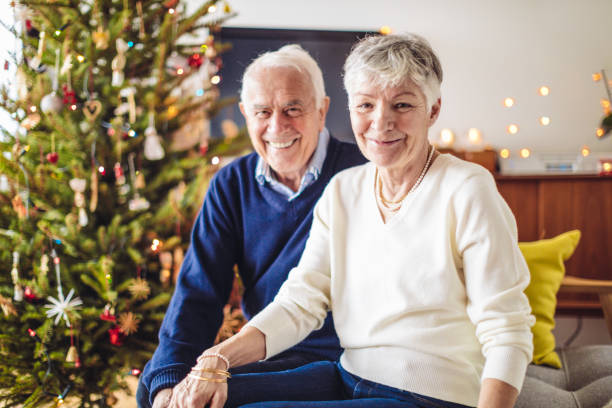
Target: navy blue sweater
(241,223)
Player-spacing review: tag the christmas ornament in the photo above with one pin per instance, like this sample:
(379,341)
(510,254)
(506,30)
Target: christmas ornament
(118,63)
(66,65)
(69,95)
(153,149)
(30,30)
(52,157)
(178,261)
(139,288)
(51,103)
(100,38)
(137,203)
(108,315)
(36,62)
(195,60)
(116,336)
(62,306)
(7,307)
(4,184)
(29,295)
(18,290)
(21,84)
(78,185)
(30,121)
(19,207)
(128,93)
(128,323)
(72,356)
(165,259)
(91,109)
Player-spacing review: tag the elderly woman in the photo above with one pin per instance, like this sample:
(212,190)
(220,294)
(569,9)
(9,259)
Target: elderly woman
(415,254)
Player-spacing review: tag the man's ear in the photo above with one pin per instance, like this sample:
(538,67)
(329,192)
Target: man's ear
(323,112)
(435,111)
(241,106)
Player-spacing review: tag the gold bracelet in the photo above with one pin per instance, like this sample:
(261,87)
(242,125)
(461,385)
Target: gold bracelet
(215,380)
(213,371)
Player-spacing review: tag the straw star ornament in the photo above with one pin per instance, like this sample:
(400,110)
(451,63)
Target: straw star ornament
(62,306)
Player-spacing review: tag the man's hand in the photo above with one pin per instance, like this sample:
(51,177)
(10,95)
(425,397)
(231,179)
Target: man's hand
(162,398)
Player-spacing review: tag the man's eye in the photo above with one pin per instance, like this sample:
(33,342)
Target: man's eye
(262,114)
(293,112)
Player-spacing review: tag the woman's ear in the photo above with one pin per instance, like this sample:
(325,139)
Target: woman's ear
(434,112)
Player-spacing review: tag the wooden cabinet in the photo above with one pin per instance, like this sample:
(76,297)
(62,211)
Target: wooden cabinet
(545,206)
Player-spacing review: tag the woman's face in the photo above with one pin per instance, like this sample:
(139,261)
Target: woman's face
(391,124)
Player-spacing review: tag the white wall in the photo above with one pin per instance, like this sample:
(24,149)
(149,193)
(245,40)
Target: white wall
(489,50)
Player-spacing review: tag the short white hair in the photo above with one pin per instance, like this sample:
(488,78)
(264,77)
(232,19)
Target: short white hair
(389,60)
(289,56)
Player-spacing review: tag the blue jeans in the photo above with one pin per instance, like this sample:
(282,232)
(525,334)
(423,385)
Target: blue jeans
(283,361)
(321,384)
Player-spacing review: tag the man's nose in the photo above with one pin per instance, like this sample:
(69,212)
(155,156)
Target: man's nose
(277,122)
(382,119)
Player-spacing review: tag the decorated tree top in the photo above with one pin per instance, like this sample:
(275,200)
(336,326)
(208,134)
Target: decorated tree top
(99,185)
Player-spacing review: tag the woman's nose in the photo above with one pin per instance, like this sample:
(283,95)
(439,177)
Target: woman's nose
(382,119)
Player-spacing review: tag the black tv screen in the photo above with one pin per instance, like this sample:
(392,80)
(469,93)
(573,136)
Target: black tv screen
(328,48)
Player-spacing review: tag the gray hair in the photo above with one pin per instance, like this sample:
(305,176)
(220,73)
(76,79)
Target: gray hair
(392,59)
(289,56)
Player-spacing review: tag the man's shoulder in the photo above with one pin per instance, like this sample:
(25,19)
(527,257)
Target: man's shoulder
(241,168)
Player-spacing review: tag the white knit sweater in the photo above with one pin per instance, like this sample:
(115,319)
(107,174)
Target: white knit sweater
(431,302)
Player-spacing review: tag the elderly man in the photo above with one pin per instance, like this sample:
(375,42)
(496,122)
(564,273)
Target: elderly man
(257,215)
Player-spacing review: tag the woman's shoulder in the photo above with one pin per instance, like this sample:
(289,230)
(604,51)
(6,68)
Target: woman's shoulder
(459,170)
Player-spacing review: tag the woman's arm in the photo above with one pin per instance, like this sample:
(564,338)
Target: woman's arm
(495,393)
(248,346)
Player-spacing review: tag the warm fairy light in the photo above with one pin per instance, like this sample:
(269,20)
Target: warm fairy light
(599,132)
(108,276)
(170,11)
(504,153)
(512,129)
(215,160)
(179,71)
(172,111)
(508,102)
(605,103)
(73,107)
(596,77)
(33,108)
(544,120)
(607,167)
(101,170)
(56,260)
(525,153)
(447,136)
(212,9)
(156,244)
(585,151)
(80,58)
(385,30)
(544,90)
(132,133)
(31,332)
(58,33)
(215,79)
(135,371)
(474,136)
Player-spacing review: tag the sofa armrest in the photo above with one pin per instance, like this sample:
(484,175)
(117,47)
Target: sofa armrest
(603,288)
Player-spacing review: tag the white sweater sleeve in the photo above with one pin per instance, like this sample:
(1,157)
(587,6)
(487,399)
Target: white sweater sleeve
(495,277)
(302,302)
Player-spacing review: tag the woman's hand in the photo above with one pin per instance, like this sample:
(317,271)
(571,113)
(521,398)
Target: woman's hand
(202,386)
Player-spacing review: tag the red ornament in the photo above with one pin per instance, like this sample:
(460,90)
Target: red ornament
(115,336)
(195,60)
(107,316)
(77,363)
(203,149)
(69,96)
(29,294)
(52,157)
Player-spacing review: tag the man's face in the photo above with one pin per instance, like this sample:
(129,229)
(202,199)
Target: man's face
(282,120)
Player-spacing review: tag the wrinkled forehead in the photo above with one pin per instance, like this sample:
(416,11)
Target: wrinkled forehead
(279,83)
(377,82)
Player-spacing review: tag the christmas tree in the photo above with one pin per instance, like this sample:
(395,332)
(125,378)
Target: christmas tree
(99,185)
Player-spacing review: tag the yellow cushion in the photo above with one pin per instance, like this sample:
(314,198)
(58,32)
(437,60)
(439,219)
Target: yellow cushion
(545,260)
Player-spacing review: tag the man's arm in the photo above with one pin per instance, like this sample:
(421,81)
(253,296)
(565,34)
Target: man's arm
(195,312)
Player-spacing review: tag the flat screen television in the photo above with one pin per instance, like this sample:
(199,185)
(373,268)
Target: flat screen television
(328,48)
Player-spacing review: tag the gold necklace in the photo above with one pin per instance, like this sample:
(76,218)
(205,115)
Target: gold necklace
(394,206)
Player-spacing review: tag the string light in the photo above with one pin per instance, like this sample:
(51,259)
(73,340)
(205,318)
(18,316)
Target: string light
(102,170)
(504,153)
(73,107)
(170,11)
(447,136)
(385,30)
(607,167)
(544,90)
(596,77)
(215,79)
(212,9)
(156,245)
(80,58)
(585,151)
(605,103)
(508,102)
(599,132)
(525,153)
(474,136)
(215,160)
(512,129)
(33,108)
(199,92)
(544,120)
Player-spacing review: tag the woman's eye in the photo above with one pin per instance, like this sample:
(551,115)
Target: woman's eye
(403,105)
(364,106)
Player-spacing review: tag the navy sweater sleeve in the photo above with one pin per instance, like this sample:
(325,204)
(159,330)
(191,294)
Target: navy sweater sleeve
(245,224)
